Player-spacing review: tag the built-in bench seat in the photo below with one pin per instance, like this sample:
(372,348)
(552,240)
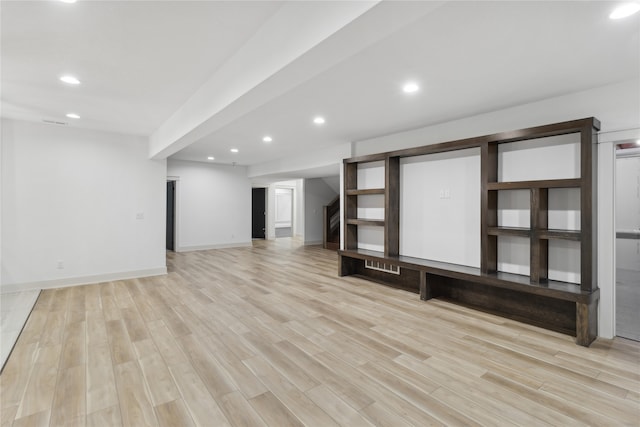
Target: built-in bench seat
(552,304)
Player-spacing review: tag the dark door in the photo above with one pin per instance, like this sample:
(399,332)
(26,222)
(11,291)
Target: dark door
(171,214)
(258,210)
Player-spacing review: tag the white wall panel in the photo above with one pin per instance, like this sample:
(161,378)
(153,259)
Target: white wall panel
(370,175)
(440,207)
(213,204)
(555,157)
(79,205)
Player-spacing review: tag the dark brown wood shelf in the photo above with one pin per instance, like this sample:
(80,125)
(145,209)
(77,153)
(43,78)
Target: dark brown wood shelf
(509,231)
(365,192)
(524,185)
(575,235)
(541,233)
(628,234)
(367,158)
(565,307)
(360,221)
(556,289)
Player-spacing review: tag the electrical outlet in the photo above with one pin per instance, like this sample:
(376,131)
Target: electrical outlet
(60,265)
(447,193)
(140,215)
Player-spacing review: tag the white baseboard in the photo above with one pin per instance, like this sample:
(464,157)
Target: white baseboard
(208,247)
(84,280)
(312,242)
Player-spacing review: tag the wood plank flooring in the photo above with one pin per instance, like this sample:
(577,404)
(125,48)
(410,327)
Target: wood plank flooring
(270,336)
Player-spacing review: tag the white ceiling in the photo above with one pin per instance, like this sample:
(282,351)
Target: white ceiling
(138,60)
(145,64)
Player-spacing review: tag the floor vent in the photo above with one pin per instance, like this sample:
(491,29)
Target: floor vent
(387,268)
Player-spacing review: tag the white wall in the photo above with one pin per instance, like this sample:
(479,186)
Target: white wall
(90,202)
(326,161)
(284,208)
(1,192)
(333,182)
(440,207)
(317,194)
(213,204)
(298,207)
(628,211)
(297,186)
(298,211)
(271,212)
(616,106)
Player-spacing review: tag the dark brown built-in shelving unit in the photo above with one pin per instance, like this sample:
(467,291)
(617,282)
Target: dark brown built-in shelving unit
(566,307)
(368,191)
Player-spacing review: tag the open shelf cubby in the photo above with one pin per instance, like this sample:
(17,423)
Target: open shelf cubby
(535,222)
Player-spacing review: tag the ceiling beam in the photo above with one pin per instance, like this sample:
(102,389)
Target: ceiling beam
(273,62)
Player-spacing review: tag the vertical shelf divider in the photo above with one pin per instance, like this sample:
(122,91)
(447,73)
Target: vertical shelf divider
(588,206)
(489,207)
(539,252)
(351,206)
(392,207)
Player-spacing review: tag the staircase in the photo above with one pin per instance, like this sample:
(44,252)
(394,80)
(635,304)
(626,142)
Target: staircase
(331,234)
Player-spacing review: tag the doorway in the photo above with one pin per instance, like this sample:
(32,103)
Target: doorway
(284,212)
(258,213)
(171,215)
(628,241)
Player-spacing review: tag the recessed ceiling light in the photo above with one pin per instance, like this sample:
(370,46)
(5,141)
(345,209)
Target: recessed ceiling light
(319,120)
(70,79)
(410,87)
(234,150)
(73,116)
(637,141)
(267,139)
(624,10)
(68,1)
(211,158)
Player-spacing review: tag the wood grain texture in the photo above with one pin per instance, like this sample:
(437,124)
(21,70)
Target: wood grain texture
(273,412)
(173,413)
(269,335)
(42,382)
(108,417)
(135,402)
(69,403)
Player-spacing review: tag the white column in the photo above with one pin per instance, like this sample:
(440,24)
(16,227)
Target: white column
(606,239)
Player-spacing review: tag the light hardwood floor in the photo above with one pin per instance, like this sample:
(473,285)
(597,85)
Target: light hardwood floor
(270,335)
